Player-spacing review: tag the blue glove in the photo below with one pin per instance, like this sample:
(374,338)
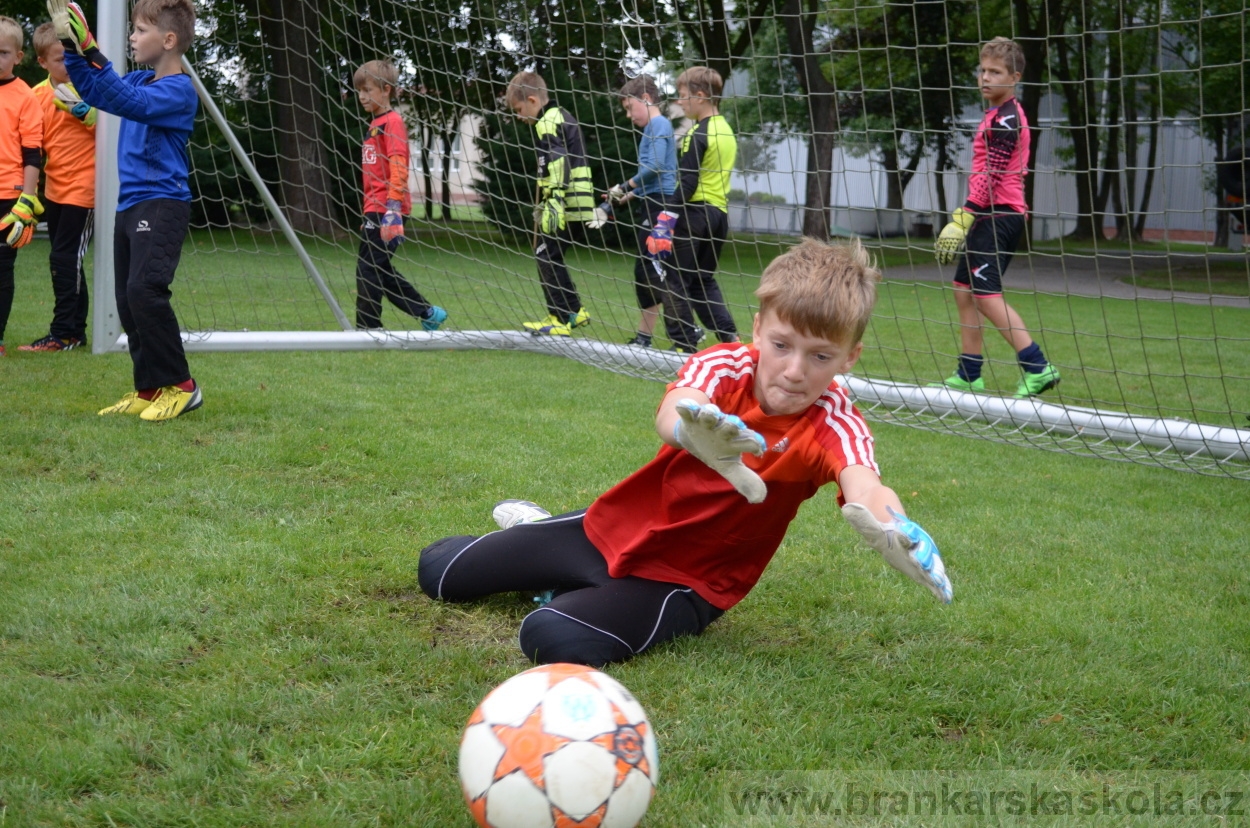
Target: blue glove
(393,223)
(660,242)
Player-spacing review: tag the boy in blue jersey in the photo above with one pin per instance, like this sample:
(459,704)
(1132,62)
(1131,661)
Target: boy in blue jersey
(157,109)
(647,192)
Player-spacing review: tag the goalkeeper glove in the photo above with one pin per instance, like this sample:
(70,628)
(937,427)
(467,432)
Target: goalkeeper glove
(660,242)
(549,216)
(905,546)
(67,100)
(602,216)
(71,26)
(393,223)
(951,240)
(21,220)
(719,440)
(617,194)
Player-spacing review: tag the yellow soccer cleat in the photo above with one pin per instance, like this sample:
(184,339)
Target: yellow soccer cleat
(172,402)
(132,403)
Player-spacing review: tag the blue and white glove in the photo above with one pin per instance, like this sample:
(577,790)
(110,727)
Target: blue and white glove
(720,440)
(905,546)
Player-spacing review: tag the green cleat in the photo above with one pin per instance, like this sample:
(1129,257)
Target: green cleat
(1033,384)
(958,383)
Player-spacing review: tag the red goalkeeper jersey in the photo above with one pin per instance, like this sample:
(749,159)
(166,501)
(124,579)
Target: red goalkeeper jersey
(678,521)
(384,163)
(1000,159)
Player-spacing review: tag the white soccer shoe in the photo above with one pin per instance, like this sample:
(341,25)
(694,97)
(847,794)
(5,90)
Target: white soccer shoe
(508,513)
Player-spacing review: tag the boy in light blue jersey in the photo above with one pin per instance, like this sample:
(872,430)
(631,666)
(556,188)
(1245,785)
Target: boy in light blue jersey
(647,192)
(157,109)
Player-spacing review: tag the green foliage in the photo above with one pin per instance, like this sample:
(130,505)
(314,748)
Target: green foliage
(741,197)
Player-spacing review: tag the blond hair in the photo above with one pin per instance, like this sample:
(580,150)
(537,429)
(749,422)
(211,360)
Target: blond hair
(377,72)
(524,85)
(822,289)
(1006,50)
(13,30)
(45,38)
(177,16)
(703,79)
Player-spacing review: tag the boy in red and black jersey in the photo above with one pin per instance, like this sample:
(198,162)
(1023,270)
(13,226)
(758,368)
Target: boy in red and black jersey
(749,432)
(384,169)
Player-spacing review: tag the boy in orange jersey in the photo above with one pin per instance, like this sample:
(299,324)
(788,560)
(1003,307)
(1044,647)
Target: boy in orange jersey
(68,192)
(384,171)
(668,550)
(21,149)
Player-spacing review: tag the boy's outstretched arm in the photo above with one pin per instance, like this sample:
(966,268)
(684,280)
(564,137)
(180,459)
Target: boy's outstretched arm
(875,511)
(688,420)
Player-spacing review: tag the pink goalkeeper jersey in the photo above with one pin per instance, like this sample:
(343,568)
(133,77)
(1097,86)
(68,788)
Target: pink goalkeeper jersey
(1000,159)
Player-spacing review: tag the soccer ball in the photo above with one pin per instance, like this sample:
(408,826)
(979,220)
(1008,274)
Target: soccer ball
(559,745)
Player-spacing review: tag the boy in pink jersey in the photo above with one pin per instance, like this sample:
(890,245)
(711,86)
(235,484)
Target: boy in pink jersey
(749,432)
(983,233)
(384,165)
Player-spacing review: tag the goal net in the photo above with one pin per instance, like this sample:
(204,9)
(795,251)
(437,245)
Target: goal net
(850,120)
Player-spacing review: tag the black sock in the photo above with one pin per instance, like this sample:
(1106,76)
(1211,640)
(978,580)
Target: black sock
(970,366)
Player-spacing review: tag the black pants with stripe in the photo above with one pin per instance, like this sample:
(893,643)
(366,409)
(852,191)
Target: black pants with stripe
(558,288)
(594,618)
(69,230)
(147,246)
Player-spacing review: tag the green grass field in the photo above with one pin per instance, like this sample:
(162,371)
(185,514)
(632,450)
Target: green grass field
(216,621)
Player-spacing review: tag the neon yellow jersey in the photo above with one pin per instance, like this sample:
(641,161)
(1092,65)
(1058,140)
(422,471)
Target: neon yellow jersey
(706,159)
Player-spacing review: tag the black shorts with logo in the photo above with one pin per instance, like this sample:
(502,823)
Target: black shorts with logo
(988,250)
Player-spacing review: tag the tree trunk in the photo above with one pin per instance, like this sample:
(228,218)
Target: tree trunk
(1033,20)
(939,181)
(288,28)
(427,176)
(448,138)
(800,24)
(1084,134)
(1139,227)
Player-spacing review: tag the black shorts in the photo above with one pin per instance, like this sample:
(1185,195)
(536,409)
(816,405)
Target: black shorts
(990,245)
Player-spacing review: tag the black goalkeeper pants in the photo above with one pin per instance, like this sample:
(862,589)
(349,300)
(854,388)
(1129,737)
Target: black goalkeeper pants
(593,619)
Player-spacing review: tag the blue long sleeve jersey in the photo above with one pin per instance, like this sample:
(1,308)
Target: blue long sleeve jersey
(657,159)
(157,117)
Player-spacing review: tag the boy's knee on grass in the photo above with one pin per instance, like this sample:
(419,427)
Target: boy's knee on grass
(433,563)
(550,637)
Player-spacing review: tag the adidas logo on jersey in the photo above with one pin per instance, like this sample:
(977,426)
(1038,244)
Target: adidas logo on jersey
(781,445)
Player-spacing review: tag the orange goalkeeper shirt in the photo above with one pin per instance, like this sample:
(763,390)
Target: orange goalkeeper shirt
(23,127)
(69,153)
